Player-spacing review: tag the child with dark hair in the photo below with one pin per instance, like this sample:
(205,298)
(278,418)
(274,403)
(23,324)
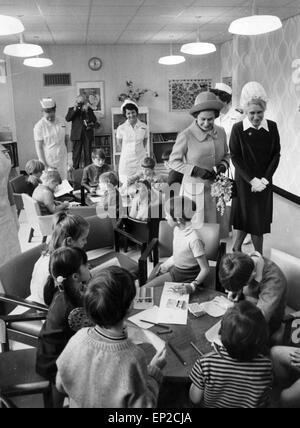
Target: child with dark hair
(44,193)
(68,230)
(34,168)
(147,173)
(91,173)
(100,367)
(238,374)
(63,292)
(188,264)
(258,280)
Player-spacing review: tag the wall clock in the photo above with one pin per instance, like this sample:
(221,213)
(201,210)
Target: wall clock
(95,63)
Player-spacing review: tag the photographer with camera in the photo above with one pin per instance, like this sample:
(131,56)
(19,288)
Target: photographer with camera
(82,133)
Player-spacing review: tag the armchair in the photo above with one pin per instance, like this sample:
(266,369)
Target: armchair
(19,186)
(162,247)
(42,223)
(15,277)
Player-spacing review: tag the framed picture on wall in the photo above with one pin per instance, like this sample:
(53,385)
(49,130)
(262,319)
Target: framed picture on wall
(93,92)
(183,92)
(227,80)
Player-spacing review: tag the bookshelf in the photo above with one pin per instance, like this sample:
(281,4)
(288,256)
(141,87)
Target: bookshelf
(117,119)
(162,141)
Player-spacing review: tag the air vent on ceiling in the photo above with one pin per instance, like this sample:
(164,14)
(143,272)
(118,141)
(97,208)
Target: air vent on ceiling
(57,79)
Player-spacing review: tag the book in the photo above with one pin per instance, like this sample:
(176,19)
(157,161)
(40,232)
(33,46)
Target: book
(64,188)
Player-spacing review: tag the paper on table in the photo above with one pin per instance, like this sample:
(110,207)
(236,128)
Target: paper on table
(150,315)
(139,335)
(112,262)
(173,308)
(63,188)
(217,307)
(212,335)
(143,298)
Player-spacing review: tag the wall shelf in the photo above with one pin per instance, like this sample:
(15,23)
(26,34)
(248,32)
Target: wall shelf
(162,141)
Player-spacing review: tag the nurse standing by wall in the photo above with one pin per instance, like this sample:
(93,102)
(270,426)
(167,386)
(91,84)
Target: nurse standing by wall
(9,224)
(51,140)
(132,136)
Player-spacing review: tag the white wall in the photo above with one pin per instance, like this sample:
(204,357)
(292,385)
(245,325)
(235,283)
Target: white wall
(120,63)
(7,114)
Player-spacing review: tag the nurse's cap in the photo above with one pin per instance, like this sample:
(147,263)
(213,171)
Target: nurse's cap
(223,87)
(128,101)
(48,103)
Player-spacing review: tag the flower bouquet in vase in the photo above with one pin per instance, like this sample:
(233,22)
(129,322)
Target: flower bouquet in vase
(222,191)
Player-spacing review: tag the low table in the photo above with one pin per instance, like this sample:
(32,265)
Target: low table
(182,335)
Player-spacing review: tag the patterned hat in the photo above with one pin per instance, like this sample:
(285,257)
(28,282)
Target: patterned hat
(252,90)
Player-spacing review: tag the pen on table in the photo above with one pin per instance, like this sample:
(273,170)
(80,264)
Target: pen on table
(155,324)
(197,349)
(177,354)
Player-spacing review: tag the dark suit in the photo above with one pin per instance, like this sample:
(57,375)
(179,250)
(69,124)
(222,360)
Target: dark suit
(81,133)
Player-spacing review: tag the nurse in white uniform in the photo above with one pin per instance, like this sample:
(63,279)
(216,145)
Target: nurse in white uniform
(132,136)
(51,140)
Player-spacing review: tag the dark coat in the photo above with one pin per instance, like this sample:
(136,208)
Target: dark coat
(79,120)
(254,153)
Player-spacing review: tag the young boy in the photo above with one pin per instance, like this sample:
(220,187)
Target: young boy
(91,173)
(111,201)
(44,193)
(100,367)
(258,280)
(238,374)
(34,168)
(147,173)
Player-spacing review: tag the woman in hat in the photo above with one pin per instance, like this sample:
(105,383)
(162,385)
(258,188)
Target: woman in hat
(51,140)
(132,137)
(255,153)
(198,150)
(9,224)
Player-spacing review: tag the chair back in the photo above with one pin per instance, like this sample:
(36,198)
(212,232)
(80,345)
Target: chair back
(101,234)
(19,184)
(290,267)
(15,276)
(77,178)
(43,223)
(210,234)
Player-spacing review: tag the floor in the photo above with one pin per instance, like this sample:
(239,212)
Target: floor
(165,399)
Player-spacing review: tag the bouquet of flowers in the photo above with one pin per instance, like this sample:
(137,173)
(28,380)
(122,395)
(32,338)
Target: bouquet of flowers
(221,189)
(134,93)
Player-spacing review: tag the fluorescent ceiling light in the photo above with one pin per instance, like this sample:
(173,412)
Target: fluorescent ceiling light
(198,48)
(38,62)
(10,25)
(255,24)
(171,59)
(23,50)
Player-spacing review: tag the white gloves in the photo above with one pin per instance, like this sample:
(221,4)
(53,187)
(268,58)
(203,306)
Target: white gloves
(257,184)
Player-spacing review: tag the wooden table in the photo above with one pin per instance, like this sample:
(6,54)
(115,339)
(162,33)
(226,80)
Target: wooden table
(182,335)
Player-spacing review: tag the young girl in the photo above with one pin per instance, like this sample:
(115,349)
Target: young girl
(237,375)
(100,367)
(44,193)
(64,291)
(68,230)
(188,263)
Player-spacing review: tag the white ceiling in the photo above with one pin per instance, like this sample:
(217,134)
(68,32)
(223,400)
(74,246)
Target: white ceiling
(134,21)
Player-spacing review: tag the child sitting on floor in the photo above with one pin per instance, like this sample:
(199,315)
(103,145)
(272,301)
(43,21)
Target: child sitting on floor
(91,173)
(258,280)
(100,367)
(238,374)
(188,263)
(63,292)
(34,168)
(44,193)
(68,230)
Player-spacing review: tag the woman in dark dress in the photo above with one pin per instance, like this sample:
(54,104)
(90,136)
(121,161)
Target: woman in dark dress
(255,153)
